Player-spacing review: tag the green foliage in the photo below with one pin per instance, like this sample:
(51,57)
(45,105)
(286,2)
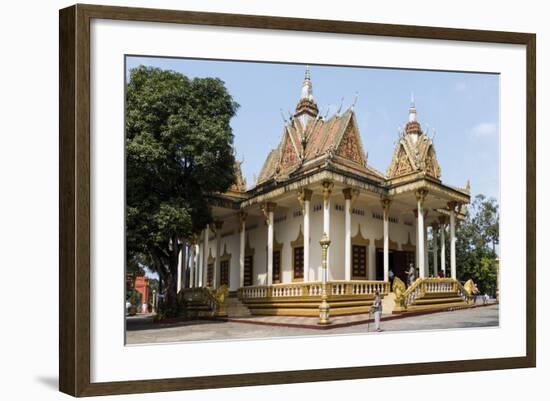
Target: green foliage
(476,239)
(178,152)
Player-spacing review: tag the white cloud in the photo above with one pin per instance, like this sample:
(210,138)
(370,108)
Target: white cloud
(484,129)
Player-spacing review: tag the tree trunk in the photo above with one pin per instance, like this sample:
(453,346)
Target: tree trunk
(171,305)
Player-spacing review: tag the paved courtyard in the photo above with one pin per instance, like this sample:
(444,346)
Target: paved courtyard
(142,330)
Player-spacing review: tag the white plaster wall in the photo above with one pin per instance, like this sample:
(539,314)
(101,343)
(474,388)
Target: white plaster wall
(257,238)
(231,244)
(316,231)
(337,237)
(287,231)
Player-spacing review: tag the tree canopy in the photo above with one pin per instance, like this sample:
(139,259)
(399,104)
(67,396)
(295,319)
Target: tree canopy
(179,150)
(476,240)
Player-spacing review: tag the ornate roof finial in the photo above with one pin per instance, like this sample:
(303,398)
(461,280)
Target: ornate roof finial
(412,109)
(354,101)
(307,87)
(307,109)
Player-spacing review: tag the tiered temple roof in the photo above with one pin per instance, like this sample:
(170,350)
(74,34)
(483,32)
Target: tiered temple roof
(309,141)
(415,152)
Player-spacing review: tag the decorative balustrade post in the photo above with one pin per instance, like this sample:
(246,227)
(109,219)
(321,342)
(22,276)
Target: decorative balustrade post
(324,308)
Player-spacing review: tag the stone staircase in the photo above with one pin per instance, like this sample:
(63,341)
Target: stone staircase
(430,294)
(235,308)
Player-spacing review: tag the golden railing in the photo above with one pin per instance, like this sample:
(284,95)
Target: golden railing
(432,285)
(313,289)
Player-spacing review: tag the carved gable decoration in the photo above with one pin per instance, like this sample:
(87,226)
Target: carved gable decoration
(350,146)
(431,165)
(401,164)
(289,157)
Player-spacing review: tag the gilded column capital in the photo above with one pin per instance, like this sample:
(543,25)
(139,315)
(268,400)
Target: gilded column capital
(351,195)
(386,203)
(242,219)
(266,208)
(347,193)
(453,206)
(304,195)
(327,189)
(421,194)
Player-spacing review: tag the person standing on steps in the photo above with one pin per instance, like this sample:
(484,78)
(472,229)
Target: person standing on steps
(410,275)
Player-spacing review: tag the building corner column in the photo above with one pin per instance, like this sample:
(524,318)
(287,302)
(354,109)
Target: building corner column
(442,221)
(347,237)
(327,191)
(205,254)
(304,197)
(420,197)
(268,210)
(218,224)
(192,263)
(452,228)
(435,251)
(180,266)
(242,232)
(386,203)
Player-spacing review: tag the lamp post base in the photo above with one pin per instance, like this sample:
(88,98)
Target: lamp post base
(324,313)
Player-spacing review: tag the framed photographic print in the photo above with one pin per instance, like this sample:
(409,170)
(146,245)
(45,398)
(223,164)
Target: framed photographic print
(280,200)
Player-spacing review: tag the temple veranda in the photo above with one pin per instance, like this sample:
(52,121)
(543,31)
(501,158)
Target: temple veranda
(262,253)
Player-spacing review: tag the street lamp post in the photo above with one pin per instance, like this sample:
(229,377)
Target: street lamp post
(324,308)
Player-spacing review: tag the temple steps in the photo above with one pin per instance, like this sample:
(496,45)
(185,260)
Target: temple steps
(235,308)
(434,301)
(310,307)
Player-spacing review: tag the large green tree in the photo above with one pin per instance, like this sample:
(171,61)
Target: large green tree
(477,237)
(178,151)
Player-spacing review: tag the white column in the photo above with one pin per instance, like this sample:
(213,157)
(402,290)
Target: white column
(435,227)
(442,239)
(420,196)
(184,264)
(180,266)
(218,225)
(386,208)
(192,266)
(242,229)
(305,197)
(426,250)
(347,240)
(269,208)
(197,264)
(453,240)
(205,256)
(327,190)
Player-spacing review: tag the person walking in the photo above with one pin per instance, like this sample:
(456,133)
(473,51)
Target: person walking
(377,307)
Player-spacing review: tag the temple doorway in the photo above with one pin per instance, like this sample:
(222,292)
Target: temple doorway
(398,263)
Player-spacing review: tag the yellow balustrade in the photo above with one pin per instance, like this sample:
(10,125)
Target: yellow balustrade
(335,288)
(437,288)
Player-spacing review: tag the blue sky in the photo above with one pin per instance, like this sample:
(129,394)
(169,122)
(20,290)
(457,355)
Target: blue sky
(461,109)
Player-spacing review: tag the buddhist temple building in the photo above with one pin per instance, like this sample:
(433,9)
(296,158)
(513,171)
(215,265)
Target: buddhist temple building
(264,244)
